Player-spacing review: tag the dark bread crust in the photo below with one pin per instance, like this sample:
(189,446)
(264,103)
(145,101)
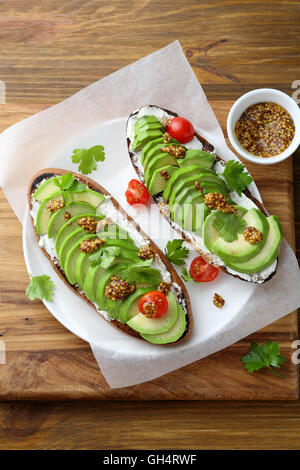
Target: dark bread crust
(50,172)
(209,147)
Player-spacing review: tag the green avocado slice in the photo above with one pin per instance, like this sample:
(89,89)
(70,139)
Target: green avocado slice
(129,306)
(144,325)
(143,137)
(178,194)
(68,243)
(69,226)
(73,253)
(181,174)
(45,190)
(197,157)
(171,335)
(159,161)
(81,266)
(57,220)
(43,215)
(158,182)
(241,250)
(267,255)
(104,280)
(91,279)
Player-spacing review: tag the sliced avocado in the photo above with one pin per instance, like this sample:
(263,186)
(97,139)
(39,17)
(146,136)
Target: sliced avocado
(115,232)
(126,244)
(148,126)
(156,143)
(241,250)
(144,121)
(57,219)
(72,255)
(197,157)
(91,279)
(100,288)
(159,161)
(201,211)
(72,238)
(267,255)
(183,173)
(45,190)
(43,215)
(143,137)
(180,190)
(171,335)
(129,306)
(144,325)
(91,197)
(158,182)
(81,266)
(69,226)
(182,213)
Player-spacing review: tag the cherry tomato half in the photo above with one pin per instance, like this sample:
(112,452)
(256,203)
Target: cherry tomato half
(201,271)
(154,304)
(136,193)
(181,129)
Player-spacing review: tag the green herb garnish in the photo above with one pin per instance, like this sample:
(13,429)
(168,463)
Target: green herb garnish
(141,272)
(267,355)
(228,225)
(40,287)
(104,256)
(175,252)
(186,275)
(68,184)
(88,158)
(237,178)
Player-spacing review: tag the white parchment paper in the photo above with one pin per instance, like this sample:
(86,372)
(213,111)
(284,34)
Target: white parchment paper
(166,79)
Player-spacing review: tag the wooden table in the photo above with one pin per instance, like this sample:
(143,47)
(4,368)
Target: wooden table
(48,52)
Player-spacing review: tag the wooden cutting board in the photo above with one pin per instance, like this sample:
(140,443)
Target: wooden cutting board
(45,361)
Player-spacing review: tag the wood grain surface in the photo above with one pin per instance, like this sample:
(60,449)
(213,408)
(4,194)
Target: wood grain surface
(49,50)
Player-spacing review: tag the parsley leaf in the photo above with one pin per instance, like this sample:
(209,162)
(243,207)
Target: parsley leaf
(228,225)
(40,287)
(186,275)
(175,252)
(237,178)
(104,256)
(88,158)
(267,355)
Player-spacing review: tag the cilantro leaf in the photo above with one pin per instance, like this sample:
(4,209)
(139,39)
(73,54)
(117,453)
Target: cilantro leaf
(237,178)
(88,158)
(175,252)
(186,275)
(64,181)
(68,184)
(40,287)
(104,256)
(267,355)
(141,272)
(228,225)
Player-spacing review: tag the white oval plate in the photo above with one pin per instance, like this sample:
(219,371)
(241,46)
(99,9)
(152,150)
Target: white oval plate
(114,174)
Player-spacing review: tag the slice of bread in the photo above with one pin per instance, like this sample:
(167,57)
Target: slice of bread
(181,294)
(210,148)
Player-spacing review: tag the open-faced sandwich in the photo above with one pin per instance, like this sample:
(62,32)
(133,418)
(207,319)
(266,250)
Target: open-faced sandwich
(106,259)
(204,198)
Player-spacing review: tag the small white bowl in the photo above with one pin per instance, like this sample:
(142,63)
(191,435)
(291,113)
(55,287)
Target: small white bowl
(262,95)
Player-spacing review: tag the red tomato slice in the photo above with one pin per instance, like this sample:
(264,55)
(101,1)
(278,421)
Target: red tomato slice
(154,304)
(181,129)
(136,193)
(201,271)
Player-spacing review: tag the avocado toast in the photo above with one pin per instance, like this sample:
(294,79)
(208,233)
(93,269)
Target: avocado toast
(229,229)
(105,258)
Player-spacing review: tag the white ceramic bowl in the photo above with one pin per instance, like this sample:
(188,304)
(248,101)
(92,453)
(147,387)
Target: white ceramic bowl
(259,96)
